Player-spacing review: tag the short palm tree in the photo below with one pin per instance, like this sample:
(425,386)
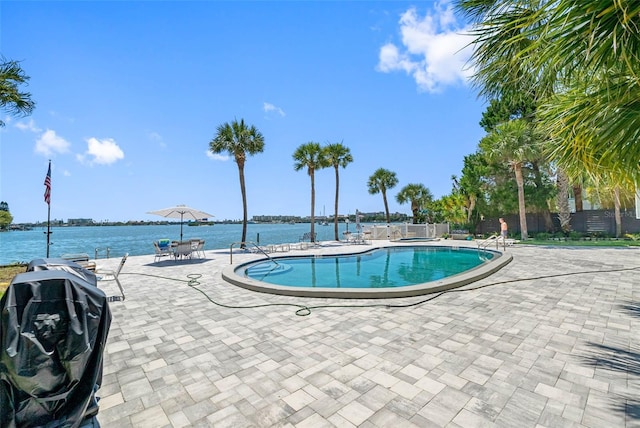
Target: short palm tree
(513,142)
(418,195)
(381,181)
(311,157)
(453,208)
(337,156)
(239,140)
(611,191)
(12,100)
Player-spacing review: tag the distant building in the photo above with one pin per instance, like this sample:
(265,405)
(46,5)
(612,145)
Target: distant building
(275,218)
(79,221)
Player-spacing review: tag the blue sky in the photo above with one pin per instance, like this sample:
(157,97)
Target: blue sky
(129,95)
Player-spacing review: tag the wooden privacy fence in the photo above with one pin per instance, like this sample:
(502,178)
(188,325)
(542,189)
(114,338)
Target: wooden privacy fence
(591,221)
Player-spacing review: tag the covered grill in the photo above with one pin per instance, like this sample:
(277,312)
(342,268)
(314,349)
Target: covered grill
(53,331)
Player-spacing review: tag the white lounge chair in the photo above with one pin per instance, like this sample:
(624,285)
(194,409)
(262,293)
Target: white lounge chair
(112,275)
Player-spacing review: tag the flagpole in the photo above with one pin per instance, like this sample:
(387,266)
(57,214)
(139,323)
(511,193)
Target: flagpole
(48,227)
(47,199)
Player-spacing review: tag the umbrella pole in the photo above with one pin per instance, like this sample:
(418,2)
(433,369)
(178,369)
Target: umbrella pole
(181,215)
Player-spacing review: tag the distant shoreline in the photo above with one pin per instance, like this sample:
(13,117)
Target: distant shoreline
(364,218)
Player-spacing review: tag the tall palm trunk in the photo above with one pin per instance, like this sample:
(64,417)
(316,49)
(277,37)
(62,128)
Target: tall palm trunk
(335,217)
(616,201)
(577,195)
(243,190)
(386,206)
(313,204)
(521,206)
(472,205)
(562,200)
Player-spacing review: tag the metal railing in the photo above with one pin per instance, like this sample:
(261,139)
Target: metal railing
(107,250)
(490,240)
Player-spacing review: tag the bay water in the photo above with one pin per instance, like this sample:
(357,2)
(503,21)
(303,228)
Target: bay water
(96,241)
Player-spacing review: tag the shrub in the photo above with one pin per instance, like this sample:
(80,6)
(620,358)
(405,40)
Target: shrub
(575,236)
(543,236)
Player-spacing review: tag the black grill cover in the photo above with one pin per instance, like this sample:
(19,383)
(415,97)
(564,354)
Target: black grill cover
(53,330)
(62,264)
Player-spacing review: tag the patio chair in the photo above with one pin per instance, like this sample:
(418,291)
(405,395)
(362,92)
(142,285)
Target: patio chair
(197,247)
(161,251)
(307,237)
(112,275)
(182,250)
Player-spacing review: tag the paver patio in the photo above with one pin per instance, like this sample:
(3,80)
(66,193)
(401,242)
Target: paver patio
(551,340)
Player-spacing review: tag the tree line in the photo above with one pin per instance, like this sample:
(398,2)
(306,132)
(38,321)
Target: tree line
(561,78)
(240,140)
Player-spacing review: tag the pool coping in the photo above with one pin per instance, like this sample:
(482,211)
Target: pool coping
(499,260)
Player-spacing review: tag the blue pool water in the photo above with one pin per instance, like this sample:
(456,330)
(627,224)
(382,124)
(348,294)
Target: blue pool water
(380,268)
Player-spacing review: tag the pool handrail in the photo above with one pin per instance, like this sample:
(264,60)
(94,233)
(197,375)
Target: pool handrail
(490,240)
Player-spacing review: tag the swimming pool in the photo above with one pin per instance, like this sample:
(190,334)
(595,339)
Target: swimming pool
(379,273)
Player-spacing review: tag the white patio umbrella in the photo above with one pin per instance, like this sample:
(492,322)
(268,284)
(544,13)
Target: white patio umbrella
(181,211)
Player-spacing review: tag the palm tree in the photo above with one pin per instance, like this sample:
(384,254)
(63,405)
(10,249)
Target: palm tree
(381,181)
(338,156)
(472,185)
(579,60)
(610,191)
(512,142)
(13,101)
(596,126)
(418,195)
(239,140)
(595,47)
(453,209)
(310,156)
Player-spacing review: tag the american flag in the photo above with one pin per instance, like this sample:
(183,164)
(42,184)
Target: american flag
(47,186)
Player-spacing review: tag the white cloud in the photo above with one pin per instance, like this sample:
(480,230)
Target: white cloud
(49,143)
(434,50)
(104,152)
(268,107)
(216,156)
(28,126)
(154,136)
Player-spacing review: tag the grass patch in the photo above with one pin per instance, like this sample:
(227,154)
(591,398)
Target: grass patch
(7,273)
(593,243)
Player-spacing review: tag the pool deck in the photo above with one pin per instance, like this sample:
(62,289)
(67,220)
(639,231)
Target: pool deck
(550,340)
